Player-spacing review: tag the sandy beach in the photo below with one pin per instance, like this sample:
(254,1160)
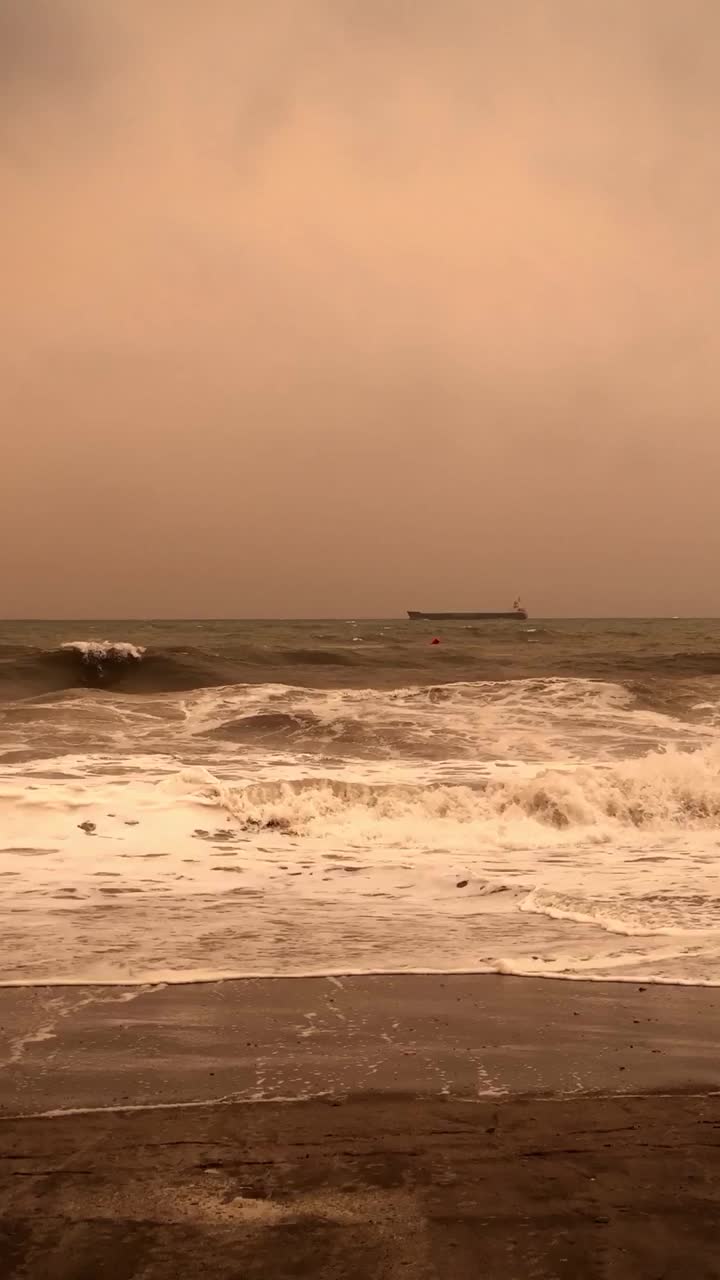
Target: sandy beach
(428,1127)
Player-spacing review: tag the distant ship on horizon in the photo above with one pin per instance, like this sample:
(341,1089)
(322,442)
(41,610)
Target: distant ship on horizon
(517,612)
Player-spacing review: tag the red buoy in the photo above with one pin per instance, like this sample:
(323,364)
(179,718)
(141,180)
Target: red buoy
(435,640)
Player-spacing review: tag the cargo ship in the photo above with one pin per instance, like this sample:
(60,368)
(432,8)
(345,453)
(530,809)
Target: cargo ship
(517,612)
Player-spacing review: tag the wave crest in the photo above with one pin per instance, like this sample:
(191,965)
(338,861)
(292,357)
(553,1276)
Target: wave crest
(663,790)
(104,651)
(107,664)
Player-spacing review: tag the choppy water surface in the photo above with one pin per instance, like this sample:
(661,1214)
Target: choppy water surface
(200,799)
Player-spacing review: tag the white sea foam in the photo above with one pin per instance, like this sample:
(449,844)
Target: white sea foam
(524,721)
(661,791)
(559,830)
(97,650)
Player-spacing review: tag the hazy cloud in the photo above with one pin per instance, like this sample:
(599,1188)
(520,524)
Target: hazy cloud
(349,305)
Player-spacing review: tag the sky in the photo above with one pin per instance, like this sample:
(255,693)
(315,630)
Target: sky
(344,307)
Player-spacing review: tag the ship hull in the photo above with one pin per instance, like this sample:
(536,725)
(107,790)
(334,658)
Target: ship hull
(518,614)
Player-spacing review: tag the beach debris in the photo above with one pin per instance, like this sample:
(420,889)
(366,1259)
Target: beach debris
(88,827)
(462,884)
(434,640)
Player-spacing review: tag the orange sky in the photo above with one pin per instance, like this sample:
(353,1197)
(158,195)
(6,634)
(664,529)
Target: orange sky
(349,306)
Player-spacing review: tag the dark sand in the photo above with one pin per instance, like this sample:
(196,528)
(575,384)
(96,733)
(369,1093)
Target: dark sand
(376,1127)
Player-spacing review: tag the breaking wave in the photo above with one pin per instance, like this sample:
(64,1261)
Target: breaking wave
(664,790)
(129,668)
(97,652)
(97,694)
(641,917)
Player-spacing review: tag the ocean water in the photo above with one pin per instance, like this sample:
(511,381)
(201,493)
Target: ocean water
(191,800)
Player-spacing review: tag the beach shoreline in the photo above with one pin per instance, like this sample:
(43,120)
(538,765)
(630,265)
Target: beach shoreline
(432,1127)
(252,1040)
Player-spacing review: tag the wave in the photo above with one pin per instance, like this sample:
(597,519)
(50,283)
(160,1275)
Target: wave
(330,734)
(218,711)
(662,791)
(333,734)
(96,652)
(374,659)
(628,918)
(27,671)
(303,867)
(266,726)
(104,664)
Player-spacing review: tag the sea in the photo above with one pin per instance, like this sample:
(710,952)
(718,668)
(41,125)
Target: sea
(193,800)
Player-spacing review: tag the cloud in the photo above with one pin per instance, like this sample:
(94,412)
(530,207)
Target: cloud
(359,275)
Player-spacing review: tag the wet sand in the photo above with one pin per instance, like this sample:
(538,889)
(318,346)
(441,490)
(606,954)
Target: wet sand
(373,1127)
